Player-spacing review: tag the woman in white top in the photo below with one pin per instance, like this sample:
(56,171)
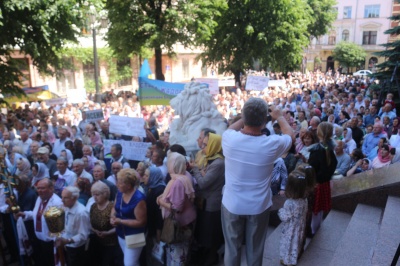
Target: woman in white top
(348,139)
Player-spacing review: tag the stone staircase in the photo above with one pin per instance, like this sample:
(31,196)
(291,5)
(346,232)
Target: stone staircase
(363,228)
(369,236)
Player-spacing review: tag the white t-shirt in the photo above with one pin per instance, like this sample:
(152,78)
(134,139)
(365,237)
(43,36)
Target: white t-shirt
(249,162)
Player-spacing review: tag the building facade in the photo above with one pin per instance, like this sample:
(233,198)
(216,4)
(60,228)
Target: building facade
(359,21)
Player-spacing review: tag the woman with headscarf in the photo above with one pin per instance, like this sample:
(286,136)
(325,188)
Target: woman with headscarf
(23,168)
(97,144)
(39,172)
(210,181)
(383,157)
(154,186)
(350,144)
(178,196)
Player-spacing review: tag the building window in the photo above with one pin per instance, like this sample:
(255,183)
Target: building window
(371,11)
(332,38)
(369,37)
(185,68)
(345,35)
(347,12)
(23,65)
(124,72)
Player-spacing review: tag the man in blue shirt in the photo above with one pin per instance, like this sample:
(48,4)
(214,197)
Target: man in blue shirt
(372,139)
(370,119)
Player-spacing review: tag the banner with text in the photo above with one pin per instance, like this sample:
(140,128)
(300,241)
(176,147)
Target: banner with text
(94,115)
(277,83)
(157,92)
(257,83)
(212,84)
(56,101)
(130,149)
(130,126)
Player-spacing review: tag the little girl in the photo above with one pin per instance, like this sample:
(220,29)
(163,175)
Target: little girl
(293,214)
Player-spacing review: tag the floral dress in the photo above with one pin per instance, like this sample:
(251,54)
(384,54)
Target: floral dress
(293,215)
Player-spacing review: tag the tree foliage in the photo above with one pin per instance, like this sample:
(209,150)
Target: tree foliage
(349,54)
(322,16)
(38,28)
(159,24)
(274,32)
(391,53)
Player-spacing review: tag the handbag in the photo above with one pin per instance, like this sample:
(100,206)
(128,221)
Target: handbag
(173,233)
(135,240)
(169,228)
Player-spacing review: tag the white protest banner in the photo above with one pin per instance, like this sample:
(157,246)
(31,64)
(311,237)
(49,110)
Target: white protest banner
(212,84)
(257,83)
(130,149)
(57,101)
(130,126)
(277,83)
(94,115)
(230,82)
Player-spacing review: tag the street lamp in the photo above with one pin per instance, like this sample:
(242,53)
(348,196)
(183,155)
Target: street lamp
(93,19)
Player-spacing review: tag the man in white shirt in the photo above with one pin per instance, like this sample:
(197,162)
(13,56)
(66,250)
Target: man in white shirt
(46,199)
(78,168)
(64,173)
(249,161)
(157,158)
(77,228)
(59,144)
(25,142)
(115,168)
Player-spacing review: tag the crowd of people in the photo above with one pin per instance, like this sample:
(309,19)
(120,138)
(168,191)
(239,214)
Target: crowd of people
(288,141)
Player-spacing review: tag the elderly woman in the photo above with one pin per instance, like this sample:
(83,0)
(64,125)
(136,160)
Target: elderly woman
(210,182)
(178,196)
(16,154)
(39,172)
(383,157)
(104,248)
(154,185)
(97,144)
(23,168)
(129,214)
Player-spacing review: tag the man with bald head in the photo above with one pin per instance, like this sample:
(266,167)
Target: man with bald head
(115,168)
(343,159)
(99,175)
(46,199)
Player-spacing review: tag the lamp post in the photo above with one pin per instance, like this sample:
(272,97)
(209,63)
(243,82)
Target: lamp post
(93,18)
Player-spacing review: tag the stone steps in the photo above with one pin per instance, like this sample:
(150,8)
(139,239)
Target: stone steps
(322,247)
(356,246)
(389,234)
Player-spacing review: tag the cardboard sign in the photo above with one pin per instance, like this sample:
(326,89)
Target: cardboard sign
(130,126)
(212,84)
(130,149)
(257,83)
(94,115)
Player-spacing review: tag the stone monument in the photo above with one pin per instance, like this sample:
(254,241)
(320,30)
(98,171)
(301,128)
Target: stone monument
(194,110)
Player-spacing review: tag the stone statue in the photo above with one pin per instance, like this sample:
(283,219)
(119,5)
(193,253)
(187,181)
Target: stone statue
(196,111)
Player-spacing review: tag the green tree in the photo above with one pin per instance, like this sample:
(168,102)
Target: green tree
(391,53)
(322,17)
(349,54)
(274,32)
(159,24)
(38,29)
